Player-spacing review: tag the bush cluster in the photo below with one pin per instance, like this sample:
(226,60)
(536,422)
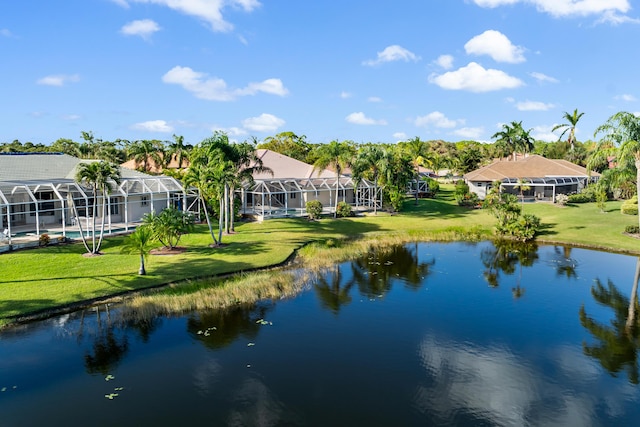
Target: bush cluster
(314,209)
(463,196)
(581,198)
(630,207)
(343,209)
(562,199)
(632,229)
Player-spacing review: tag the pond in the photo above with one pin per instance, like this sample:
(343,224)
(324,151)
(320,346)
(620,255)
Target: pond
(422,334)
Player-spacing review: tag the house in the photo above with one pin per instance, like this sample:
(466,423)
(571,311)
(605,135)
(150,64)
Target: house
(294,183)
(544,177)
(38,194)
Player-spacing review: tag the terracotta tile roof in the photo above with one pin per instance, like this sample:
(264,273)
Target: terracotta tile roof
(533,166)
(153,167)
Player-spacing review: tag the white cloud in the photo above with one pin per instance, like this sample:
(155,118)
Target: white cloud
(209,11)
(393,53)
(270,86)
(143,28)
(543,133)
(360,119)
(153,126)
(613,18)
(374,99)
(232,131)
(533,106)
(543,78)
(5,32)
(345,95)
(497,46)
(469,133)
(215,89)
(71,117)
(475,78)
(58,79)
(626,97)
(445,61)
(436,119)
(400,136)
(567,8)
(263,123)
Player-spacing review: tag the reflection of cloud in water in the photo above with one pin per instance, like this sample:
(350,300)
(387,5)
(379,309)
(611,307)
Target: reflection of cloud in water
(256,405)
(206,375)
(493,384)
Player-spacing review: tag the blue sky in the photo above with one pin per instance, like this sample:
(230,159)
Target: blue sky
(367,71)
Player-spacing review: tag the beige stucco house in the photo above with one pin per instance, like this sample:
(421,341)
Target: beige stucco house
(544,177)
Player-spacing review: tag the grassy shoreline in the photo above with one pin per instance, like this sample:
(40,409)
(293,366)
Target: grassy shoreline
(37,283)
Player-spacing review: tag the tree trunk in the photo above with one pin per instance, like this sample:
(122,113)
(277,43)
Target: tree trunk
(142,271)
(633,301)
(93,231)
(226,208)
(232,208)
(220,221)
(82,236)
(206,215)
(104,208)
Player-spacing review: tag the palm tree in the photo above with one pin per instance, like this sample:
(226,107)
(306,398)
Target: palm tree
(246,163)
(198,177)
(523,185)
(621,140)
(368,164)
(139,243)
(338,155)
(416,149)
(145,150)
(570,126)
(178,149)
(506,139)
(100,176)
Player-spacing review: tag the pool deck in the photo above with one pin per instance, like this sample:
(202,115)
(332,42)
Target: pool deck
(25,236)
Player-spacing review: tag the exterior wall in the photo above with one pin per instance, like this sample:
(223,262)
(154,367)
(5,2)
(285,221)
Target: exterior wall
(480,188)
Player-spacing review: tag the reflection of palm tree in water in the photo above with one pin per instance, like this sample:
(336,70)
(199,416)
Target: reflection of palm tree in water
(108,348)
(333,294)
(373,272)
(618,343)
(504,256)
(566,266)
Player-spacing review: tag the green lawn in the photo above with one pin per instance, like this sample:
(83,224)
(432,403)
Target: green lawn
(40,279)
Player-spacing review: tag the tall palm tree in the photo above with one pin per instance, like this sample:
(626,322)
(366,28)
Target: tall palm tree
(338,155)
(100,176)
(621,140)
(198,176)
(368,165)
(572,121)
(523,185)
(416,149)
(139,243)
(246,162)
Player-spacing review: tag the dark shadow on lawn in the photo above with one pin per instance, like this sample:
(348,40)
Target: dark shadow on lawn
(546,229)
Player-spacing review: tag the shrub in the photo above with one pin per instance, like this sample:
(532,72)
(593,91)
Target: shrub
(395,199)
(434,186)
(468,199)
(630,207)
(314,209)
(461,188)
(44,239)
(343,209)
(632,229)
(581,198)
(562,199)
(169,225)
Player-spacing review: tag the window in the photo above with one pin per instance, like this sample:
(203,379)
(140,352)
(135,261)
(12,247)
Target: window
(293,195)
(340,193)
(46,204)
(114,206)
(144,201)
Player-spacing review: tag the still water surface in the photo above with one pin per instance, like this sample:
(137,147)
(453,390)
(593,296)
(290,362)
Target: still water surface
(422,334)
